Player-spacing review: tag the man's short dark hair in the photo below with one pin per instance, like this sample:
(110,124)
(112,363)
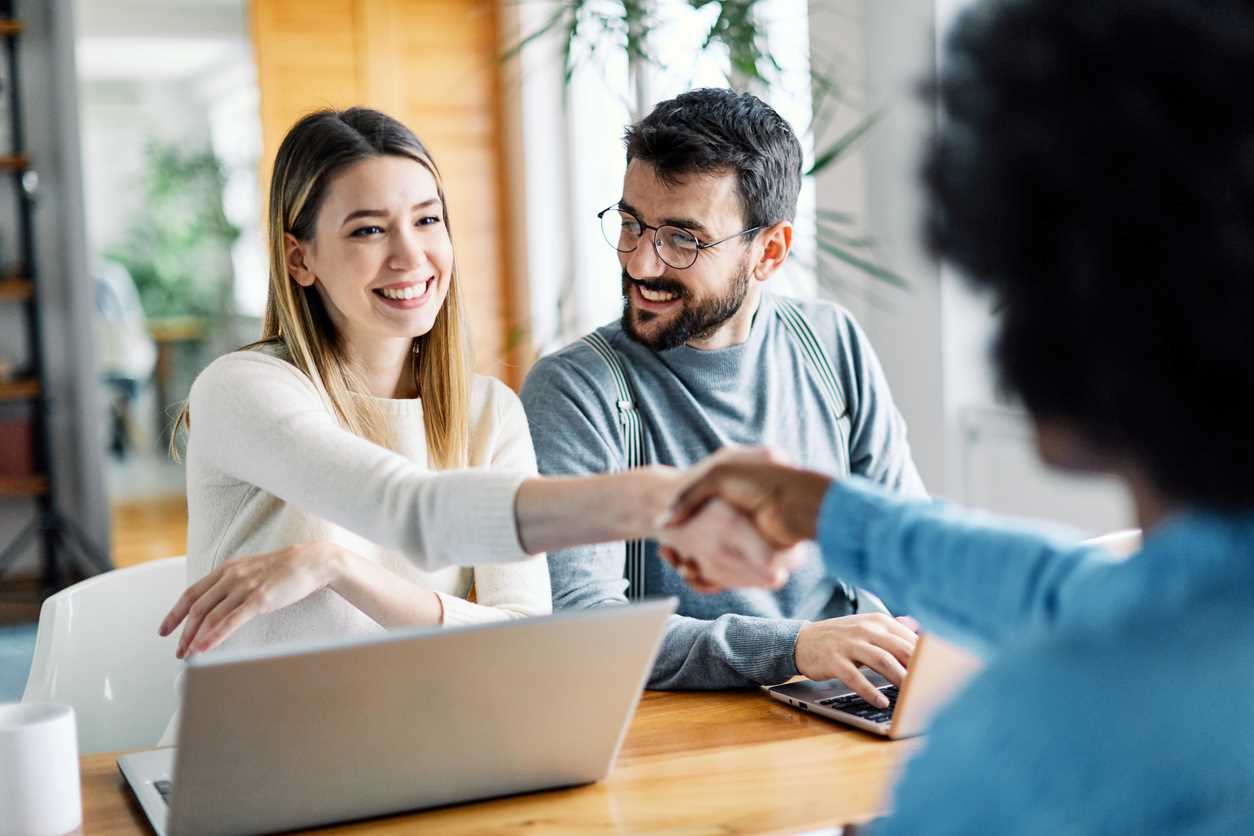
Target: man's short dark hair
(709,131)
(1095,169)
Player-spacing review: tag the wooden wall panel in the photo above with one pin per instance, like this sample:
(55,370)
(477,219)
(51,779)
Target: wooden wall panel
(433,65)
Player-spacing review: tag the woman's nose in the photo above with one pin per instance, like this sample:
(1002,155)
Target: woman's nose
(407,252)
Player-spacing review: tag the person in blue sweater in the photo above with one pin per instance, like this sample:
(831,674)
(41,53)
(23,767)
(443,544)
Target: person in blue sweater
(1094,170)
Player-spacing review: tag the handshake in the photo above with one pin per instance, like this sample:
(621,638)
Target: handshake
(736,518)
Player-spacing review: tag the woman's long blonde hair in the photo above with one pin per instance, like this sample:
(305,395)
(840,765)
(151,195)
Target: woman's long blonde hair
(317,148)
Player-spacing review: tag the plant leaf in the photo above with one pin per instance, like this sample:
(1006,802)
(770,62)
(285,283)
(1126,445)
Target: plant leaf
(544,29)
(843,143)
(866,266)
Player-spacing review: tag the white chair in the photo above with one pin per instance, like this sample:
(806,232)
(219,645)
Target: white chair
(97,649)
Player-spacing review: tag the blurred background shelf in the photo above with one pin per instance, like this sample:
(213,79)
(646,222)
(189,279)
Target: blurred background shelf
(18,390)
(23,485)
(15,290)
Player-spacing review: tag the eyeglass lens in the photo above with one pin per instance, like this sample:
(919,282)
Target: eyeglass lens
(623,231)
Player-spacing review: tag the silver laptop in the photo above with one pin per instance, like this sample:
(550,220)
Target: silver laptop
(937,670)
(299,736)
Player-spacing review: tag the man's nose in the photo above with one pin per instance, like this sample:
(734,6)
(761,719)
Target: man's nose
(643,262)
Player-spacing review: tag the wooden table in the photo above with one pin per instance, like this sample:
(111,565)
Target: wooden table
(724,762)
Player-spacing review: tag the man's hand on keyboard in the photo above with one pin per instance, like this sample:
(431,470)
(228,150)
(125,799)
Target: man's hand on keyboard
(835,647)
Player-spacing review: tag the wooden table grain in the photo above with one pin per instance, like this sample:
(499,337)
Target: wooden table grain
(702,763)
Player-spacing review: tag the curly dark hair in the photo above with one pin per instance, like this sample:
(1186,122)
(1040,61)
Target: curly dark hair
(712,130)
(1094,168)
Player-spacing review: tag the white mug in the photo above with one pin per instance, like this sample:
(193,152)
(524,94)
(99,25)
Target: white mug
(39,782)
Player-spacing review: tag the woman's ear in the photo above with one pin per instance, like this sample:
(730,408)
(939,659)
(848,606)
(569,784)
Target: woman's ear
(295,257)
(776,242)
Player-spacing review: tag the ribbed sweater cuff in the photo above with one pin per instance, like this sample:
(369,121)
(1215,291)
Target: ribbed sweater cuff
(459,612)
(779,651)
(485,529)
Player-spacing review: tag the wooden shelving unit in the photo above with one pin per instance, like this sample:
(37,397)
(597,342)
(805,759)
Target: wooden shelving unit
(57,537)
(16,290)
(19,390)
(23,486)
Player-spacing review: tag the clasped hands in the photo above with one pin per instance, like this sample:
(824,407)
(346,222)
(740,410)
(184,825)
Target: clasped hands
(737,518)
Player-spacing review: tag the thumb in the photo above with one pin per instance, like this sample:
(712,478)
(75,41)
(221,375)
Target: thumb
(693,498)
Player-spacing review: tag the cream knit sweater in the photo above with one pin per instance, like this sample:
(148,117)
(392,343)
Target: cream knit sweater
(269,466)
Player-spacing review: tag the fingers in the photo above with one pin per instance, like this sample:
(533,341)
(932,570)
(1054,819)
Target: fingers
(184,604)
(197,612)
(687,571)
(893,627)
(888,634)
(740,536)
(693,498)
(885,664)
(787,561)
(227,617)
(859,684)
(737,557)
(721,548)
(901,649)
(911,624)
(718,546)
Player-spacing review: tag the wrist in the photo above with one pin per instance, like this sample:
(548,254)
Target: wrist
(798,645)
(337,568)
(649,492)
(801,512)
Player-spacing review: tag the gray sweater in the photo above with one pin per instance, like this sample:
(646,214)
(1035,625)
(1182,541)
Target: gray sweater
(694,402)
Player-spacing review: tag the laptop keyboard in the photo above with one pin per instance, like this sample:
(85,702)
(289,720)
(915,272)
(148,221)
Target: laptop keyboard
(858,707)
(165,788)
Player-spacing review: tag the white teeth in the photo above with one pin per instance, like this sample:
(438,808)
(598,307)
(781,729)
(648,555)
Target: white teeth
(409,292)
(656,295)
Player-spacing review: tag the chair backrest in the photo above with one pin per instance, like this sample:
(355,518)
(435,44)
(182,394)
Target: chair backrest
(97,649)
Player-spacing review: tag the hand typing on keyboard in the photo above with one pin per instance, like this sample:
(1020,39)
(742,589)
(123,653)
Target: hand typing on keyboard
(855,705)
(835,648)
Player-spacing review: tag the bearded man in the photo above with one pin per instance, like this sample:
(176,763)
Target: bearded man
(704,357)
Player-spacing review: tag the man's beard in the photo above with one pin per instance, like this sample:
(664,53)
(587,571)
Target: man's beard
(696,321)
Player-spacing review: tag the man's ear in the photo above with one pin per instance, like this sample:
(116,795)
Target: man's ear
(295,257)
(776,242)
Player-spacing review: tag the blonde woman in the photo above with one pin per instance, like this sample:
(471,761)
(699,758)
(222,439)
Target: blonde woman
(347,473)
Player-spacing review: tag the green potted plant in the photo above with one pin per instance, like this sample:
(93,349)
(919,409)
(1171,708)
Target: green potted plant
(593,27)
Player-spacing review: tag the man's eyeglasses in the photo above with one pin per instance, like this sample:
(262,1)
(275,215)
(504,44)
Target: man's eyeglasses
(676,246)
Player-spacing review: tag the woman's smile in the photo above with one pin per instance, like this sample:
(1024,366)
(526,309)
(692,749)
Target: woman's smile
(406,295)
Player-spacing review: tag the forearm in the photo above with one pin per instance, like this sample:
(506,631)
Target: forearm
(260,422)
(731,651)
(560,512)
(381,594)
(960,573)
(502,591)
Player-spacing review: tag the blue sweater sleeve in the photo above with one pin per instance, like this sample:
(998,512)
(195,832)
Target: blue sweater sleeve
(965,575)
